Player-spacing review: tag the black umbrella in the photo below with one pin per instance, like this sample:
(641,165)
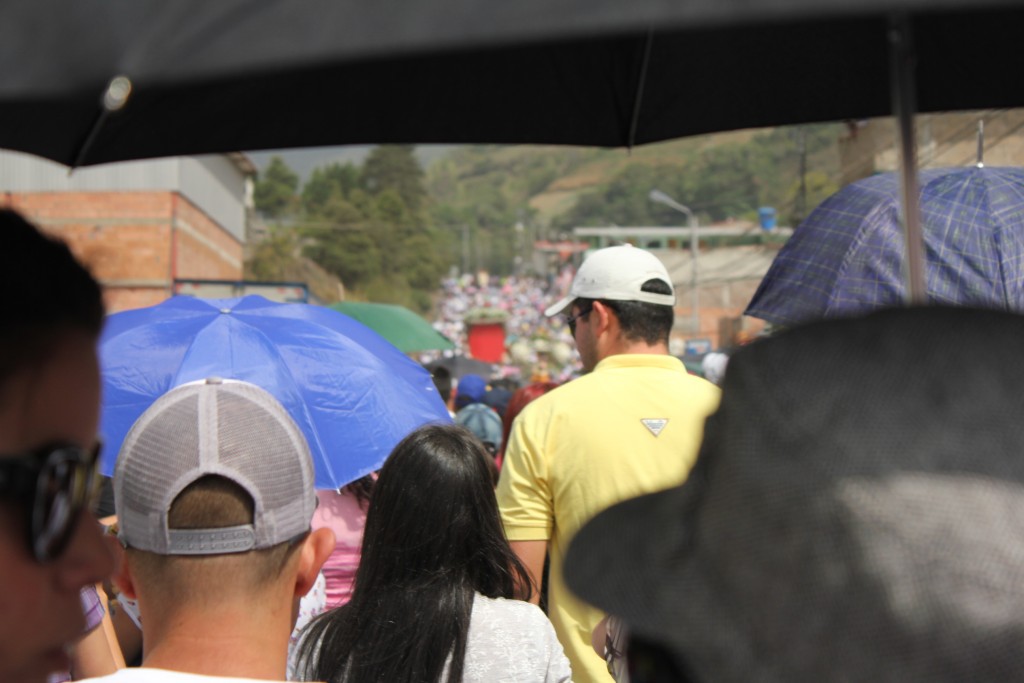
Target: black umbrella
(460,366)
(191,76)
(107,80)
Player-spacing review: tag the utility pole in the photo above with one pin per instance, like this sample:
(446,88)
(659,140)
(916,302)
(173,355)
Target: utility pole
(662,198)
(800,210)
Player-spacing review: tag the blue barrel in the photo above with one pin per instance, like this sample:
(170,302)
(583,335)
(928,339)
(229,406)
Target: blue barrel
(766,215)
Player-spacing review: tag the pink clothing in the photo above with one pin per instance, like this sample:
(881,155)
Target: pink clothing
(342,514)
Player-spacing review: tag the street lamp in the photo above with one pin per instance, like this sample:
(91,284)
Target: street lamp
(662,198)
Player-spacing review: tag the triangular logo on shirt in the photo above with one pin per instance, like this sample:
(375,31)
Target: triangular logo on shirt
(655,425)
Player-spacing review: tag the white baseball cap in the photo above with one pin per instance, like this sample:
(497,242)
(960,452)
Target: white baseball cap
(617,274)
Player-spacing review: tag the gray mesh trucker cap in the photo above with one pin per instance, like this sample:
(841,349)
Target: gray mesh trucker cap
(217,427)
(617,274)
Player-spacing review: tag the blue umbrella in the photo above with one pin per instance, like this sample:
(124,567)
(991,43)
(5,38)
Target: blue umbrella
(847,257)
(352,393)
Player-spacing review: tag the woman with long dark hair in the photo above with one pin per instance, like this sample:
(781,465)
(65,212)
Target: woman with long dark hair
(432,599)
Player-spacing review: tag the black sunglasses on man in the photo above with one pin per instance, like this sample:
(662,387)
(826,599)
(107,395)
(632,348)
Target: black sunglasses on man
(571,320)
(53,484)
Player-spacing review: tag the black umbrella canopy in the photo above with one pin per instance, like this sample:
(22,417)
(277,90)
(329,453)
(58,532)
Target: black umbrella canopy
(233,75)
(460,366)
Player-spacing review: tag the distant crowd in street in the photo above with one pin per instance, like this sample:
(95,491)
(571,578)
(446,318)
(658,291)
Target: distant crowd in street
(532,340)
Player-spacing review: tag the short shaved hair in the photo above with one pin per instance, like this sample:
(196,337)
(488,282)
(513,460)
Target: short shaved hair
(211,502)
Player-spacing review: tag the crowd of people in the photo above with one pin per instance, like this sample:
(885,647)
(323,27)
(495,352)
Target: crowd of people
(536,344)
(849,506)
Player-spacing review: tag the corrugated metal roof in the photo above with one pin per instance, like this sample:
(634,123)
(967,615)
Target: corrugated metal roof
(215,183)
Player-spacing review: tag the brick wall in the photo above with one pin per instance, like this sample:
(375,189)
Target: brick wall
(205,250)
(135,243)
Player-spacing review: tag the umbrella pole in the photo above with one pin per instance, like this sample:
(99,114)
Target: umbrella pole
(114,99)
(634,119)
(901,78)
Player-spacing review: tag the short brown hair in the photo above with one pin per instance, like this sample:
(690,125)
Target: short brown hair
(212,502)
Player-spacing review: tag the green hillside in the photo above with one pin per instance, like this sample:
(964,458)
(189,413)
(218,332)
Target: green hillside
(388,228)
(480,193)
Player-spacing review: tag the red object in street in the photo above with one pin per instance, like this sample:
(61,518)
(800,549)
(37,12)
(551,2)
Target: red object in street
(487,341)
(486,334)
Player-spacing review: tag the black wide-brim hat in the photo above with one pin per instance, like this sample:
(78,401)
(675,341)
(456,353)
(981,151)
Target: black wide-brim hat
(856,512)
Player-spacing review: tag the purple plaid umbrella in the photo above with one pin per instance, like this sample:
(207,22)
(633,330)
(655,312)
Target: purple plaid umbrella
(846,258)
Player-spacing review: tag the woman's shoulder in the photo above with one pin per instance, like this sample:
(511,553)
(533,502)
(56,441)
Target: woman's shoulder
(506,606)
(512,640)
(512,618)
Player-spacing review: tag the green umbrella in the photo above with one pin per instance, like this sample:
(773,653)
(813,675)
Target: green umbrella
(397,324)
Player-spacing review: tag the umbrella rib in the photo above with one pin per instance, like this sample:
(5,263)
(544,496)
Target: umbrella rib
(997,241)
(90,138)
(641,82)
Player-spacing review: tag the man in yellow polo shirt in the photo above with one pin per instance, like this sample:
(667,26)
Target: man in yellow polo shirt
(631,425)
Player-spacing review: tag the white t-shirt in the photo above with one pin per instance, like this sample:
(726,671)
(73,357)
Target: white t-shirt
(511,641)
(145,675)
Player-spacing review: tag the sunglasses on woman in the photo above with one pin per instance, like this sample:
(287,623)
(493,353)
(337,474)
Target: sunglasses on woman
(52,484)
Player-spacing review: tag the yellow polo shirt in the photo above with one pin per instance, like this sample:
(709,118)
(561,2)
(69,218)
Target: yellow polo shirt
(632,426)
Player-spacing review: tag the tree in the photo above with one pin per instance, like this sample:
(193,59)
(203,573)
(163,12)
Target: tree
(394,167)
(274,194)
(724,186)
(334,181)
(338,237)
(272,258)
(420,262)
(625,200)
(818,187)
(352,255)
(339,212)
(392,209)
